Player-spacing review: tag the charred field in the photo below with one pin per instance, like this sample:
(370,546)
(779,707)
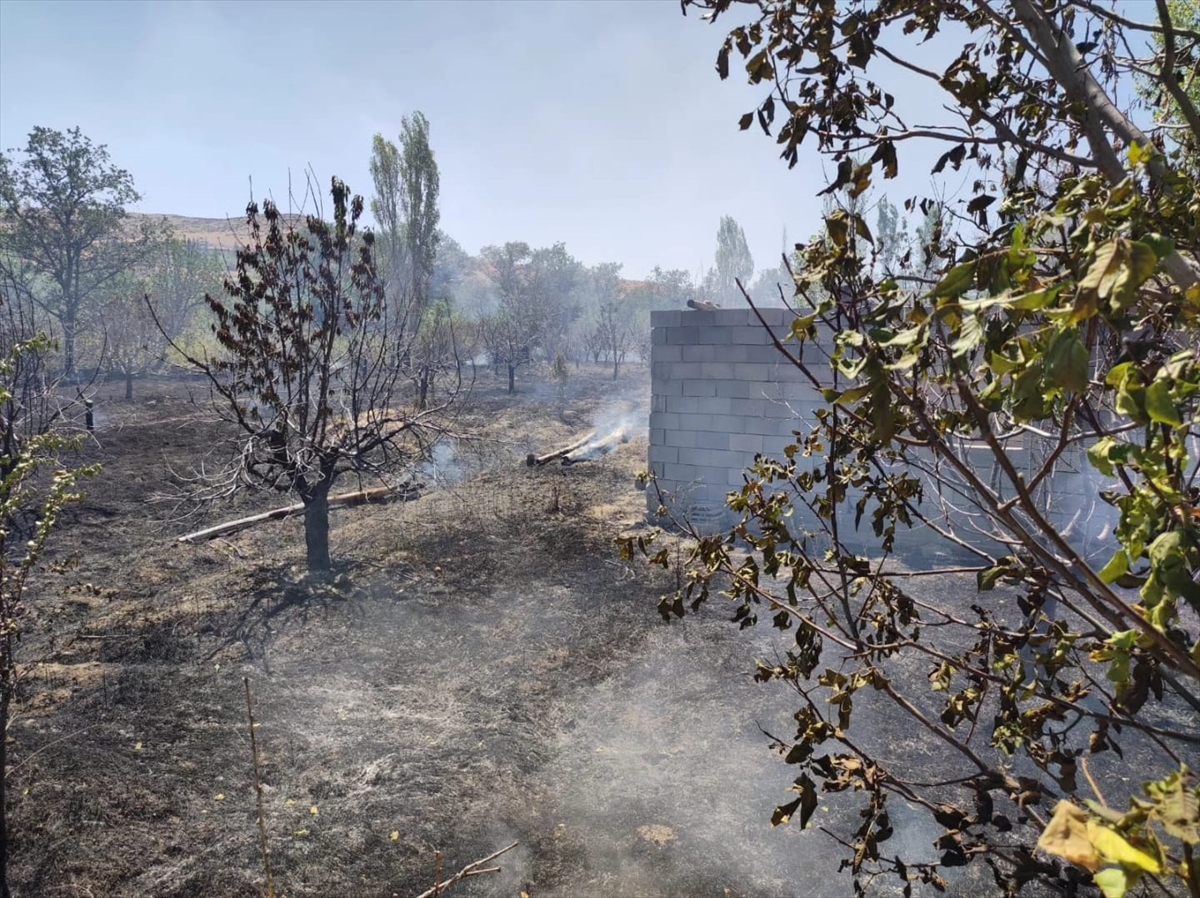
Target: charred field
(482,669)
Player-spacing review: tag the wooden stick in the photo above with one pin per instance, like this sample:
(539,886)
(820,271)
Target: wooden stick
(473,869)
(601,447)
(531,460)
(404,493)
(258,792)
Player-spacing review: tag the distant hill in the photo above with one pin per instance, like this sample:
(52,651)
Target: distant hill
(217,233)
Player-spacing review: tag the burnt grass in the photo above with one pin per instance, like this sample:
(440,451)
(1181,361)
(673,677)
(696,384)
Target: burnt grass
(480,669)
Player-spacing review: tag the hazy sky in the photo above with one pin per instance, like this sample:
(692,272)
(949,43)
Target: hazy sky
(600,123)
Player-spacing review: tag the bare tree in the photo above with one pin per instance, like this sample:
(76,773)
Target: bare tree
(311,378)
(175,275)
(614,328)
(514,329)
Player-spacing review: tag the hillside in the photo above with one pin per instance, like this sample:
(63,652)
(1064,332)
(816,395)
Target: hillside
(218,233)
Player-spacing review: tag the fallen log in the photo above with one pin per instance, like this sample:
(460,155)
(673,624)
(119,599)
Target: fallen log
(588,451)
(532,460)
(403,493)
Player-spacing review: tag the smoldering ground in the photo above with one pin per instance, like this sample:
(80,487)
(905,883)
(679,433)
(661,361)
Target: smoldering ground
(483,669)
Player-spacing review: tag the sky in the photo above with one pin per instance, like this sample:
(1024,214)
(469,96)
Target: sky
(599,123)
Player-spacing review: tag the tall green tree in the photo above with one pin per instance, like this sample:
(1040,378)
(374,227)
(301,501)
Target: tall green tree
(1058,329)
(405,207)
(62,211)
(734,262)
(421,184)
(388,211)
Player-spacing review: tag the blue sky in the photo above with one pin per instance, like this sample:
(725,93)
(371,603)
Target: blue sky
(601,123)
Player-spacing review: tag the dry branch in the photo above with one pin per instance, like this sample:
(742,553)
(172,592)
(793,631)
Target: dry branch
(475,868)
(531,460)
(403,493)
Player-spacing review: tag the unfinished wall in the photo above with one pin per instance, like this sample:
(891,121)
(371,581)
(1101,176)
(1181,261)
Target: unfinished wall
(721,393)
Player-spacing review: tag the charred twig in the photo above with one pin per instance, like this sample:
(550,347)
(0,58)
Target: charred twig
(475,868)
(532,460)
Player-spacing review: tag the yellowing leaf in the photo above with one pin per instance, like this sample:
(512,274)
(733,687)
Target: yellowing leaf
(220,797)
(291,802)
(1066,836)
(1113,847)
(314,810)
(302,832)
(138,747)
(395,836)
(1112,881)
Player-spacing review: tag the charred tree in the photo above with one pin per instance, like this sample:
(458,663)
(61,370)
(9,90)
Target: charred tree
(312,378)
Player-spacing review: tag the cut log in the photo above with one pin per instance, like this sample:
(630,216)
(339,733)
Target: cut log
(403,493)
(588,451)
(532,460)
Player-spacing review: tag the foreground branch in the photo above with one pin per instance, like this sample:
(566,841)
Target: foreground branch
(476,868)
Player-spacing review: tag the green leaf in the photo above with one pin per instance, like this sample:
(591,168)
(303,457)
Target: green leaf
(1161,244)
(1098,455)
(1159,406)
(957,281)
(970,336)
(986,578)
(838,227)
(1116,568)
(1038,299)
(1179,812)
(1067,361)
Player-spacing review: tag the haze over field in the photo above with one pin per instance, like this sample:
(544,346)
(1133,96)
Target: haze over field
(603,125)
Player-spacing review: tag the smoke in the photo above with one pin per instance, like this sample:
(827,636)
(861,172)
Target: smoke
(445,467)
(630,415)
(615,425)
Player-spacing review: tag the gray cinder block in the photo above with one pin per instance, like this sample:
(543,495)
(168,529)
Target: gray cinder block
(665,319)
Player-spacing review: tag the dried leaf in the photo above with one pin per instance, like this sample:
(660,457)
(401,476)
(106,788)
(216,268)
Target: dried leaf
(1066,836)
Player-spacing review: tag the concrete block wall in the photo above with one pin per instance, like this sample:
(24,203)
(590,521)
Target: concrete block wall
(722,393)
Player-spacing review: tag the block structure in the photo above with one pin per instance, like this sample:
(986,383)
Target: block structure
(723,394)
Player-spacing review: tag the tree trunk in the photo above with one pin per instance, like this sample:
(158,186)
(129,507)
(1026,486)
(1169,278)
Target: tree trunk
(4,700)
(423,389)
(129,386)
(316,529)
(68,349)
(616,366)
(512,379)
